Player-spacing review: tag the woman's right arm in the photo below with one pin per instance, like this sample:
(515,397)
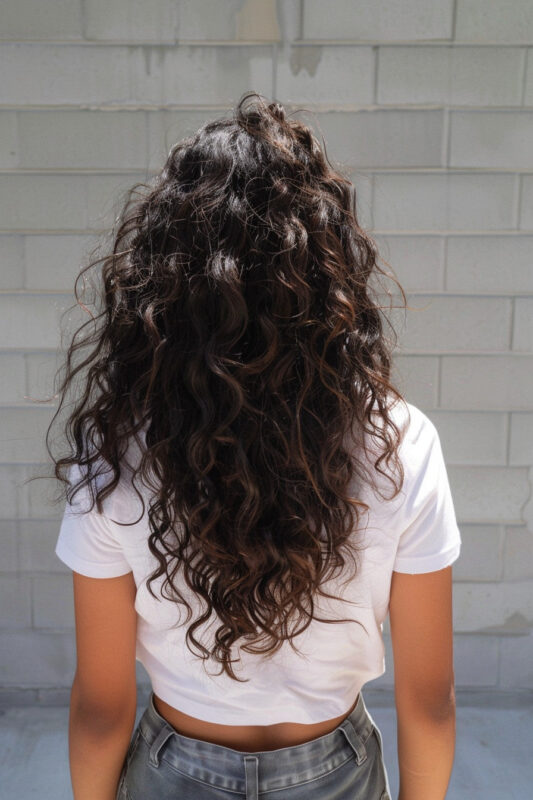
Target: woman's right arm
(422,641)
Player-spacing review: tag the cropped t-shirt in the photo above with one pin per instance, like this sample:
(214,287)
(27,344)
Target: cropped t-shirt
(414,532)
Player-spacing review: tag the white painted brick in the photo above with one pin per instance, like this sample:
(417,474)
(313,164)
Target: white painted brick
(37,540)
(384,138)
(416,377)
(9,545)
(37,658)
(26,201)
(12,378)
(13,494)
(131,20)
(516,662)
(166,127)
(41,368)
(518,554)
(231,20)
(105,198)
(82,139)
(363,183)
(494,21)
(489,263)
(505,608)
(481,554)
(37,73)
(489,494)
(11,262)
(42,494)
(53,602)
(499,383)
(15,601)
(528,89)
(417,261)
(455,75)
(34,19)
(521,444)
(22,432)
(443,324)
(54,261)
(491,139)
(470,438)
(28,320)
(526,203)
(328,75)
(9,154)
(388,20)
(454,201)
(475,660)
(523,325)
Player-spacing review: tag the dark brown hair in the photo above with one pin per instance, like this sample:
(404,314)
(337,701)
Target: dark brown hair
(239,331)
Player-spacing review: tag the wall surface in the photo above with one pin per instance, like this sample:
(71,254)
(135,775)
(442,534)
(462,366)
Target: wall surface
(428,106)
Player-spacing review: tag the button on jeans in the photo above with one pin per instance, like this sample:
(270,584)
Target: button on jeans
(345,764)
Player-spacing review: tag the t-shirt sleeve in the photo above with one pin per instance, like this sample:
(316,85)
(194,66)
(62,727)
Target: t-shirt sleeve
(88,542)
(429,537)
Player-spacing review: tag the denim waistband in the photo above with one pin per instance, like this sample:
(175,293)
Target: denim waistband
(255,771)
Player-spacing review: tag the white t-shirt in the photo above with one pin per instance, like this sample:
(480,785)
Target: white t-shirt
(415,532)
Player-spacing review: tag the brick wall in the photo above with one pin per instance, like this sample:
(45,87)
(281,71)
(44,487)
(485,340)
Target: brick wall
(428,106)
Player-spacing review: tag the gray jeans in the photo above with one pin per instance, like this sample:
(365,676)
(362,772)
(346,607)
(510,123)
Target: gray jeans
(346,764)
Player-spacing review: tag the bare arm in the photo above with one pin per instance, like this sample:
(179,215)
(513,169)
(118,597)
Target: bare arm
(422,641)
(104,692)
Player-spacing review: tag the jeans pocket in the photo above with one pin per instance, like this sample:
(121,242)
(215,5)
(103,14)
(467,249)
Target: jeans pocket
(122,792)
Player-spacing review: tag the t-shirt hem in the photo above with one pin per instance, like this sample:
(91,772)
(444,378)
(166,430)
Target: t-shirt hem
(89,568)
(428,563)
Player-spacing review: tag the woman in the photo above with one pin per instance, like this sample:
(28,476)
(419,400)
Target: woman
(248,494)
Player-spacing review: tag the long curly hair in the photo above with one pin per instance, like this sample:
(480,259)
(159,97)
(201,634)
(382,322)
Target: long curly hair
(238,330)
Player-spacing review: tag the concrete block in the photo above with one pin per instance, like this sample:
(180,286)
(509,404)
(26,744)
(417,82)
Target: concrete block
(25,201)
(29,320)
(82,139)
(417,261)
(41,374)
(131,20)
(487,383)
(526,203)
(496,608)
(12,378)
(416,377)
(453,201)
(13,492)
(37,540)
(384,138)
(521,441)
(42,494)
(22,432)
(518,554)
(11,261)
(15,601)
(516,662)
(9,545)
(489,495)
(35,20)
(9,154)
(258,20)
(528,89)
(493,21)
(53,601)
(166,127)
(36,73)
(474,264)
(475,660)
(106,195)
(491,139)
(37,658)
(363,185)
(523,324)
(331,76)
(389,21)
(472,438)
(481,554)
(53,261)
(450,75)
(450,323)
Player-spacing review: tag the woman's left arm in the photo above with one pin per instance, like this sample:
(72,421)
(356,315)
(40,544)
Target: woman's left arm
(103,699)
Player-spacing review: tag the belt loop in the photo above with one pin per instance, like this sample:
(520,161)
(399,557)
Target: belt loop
(354,740)
(251,777)
(158,743)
